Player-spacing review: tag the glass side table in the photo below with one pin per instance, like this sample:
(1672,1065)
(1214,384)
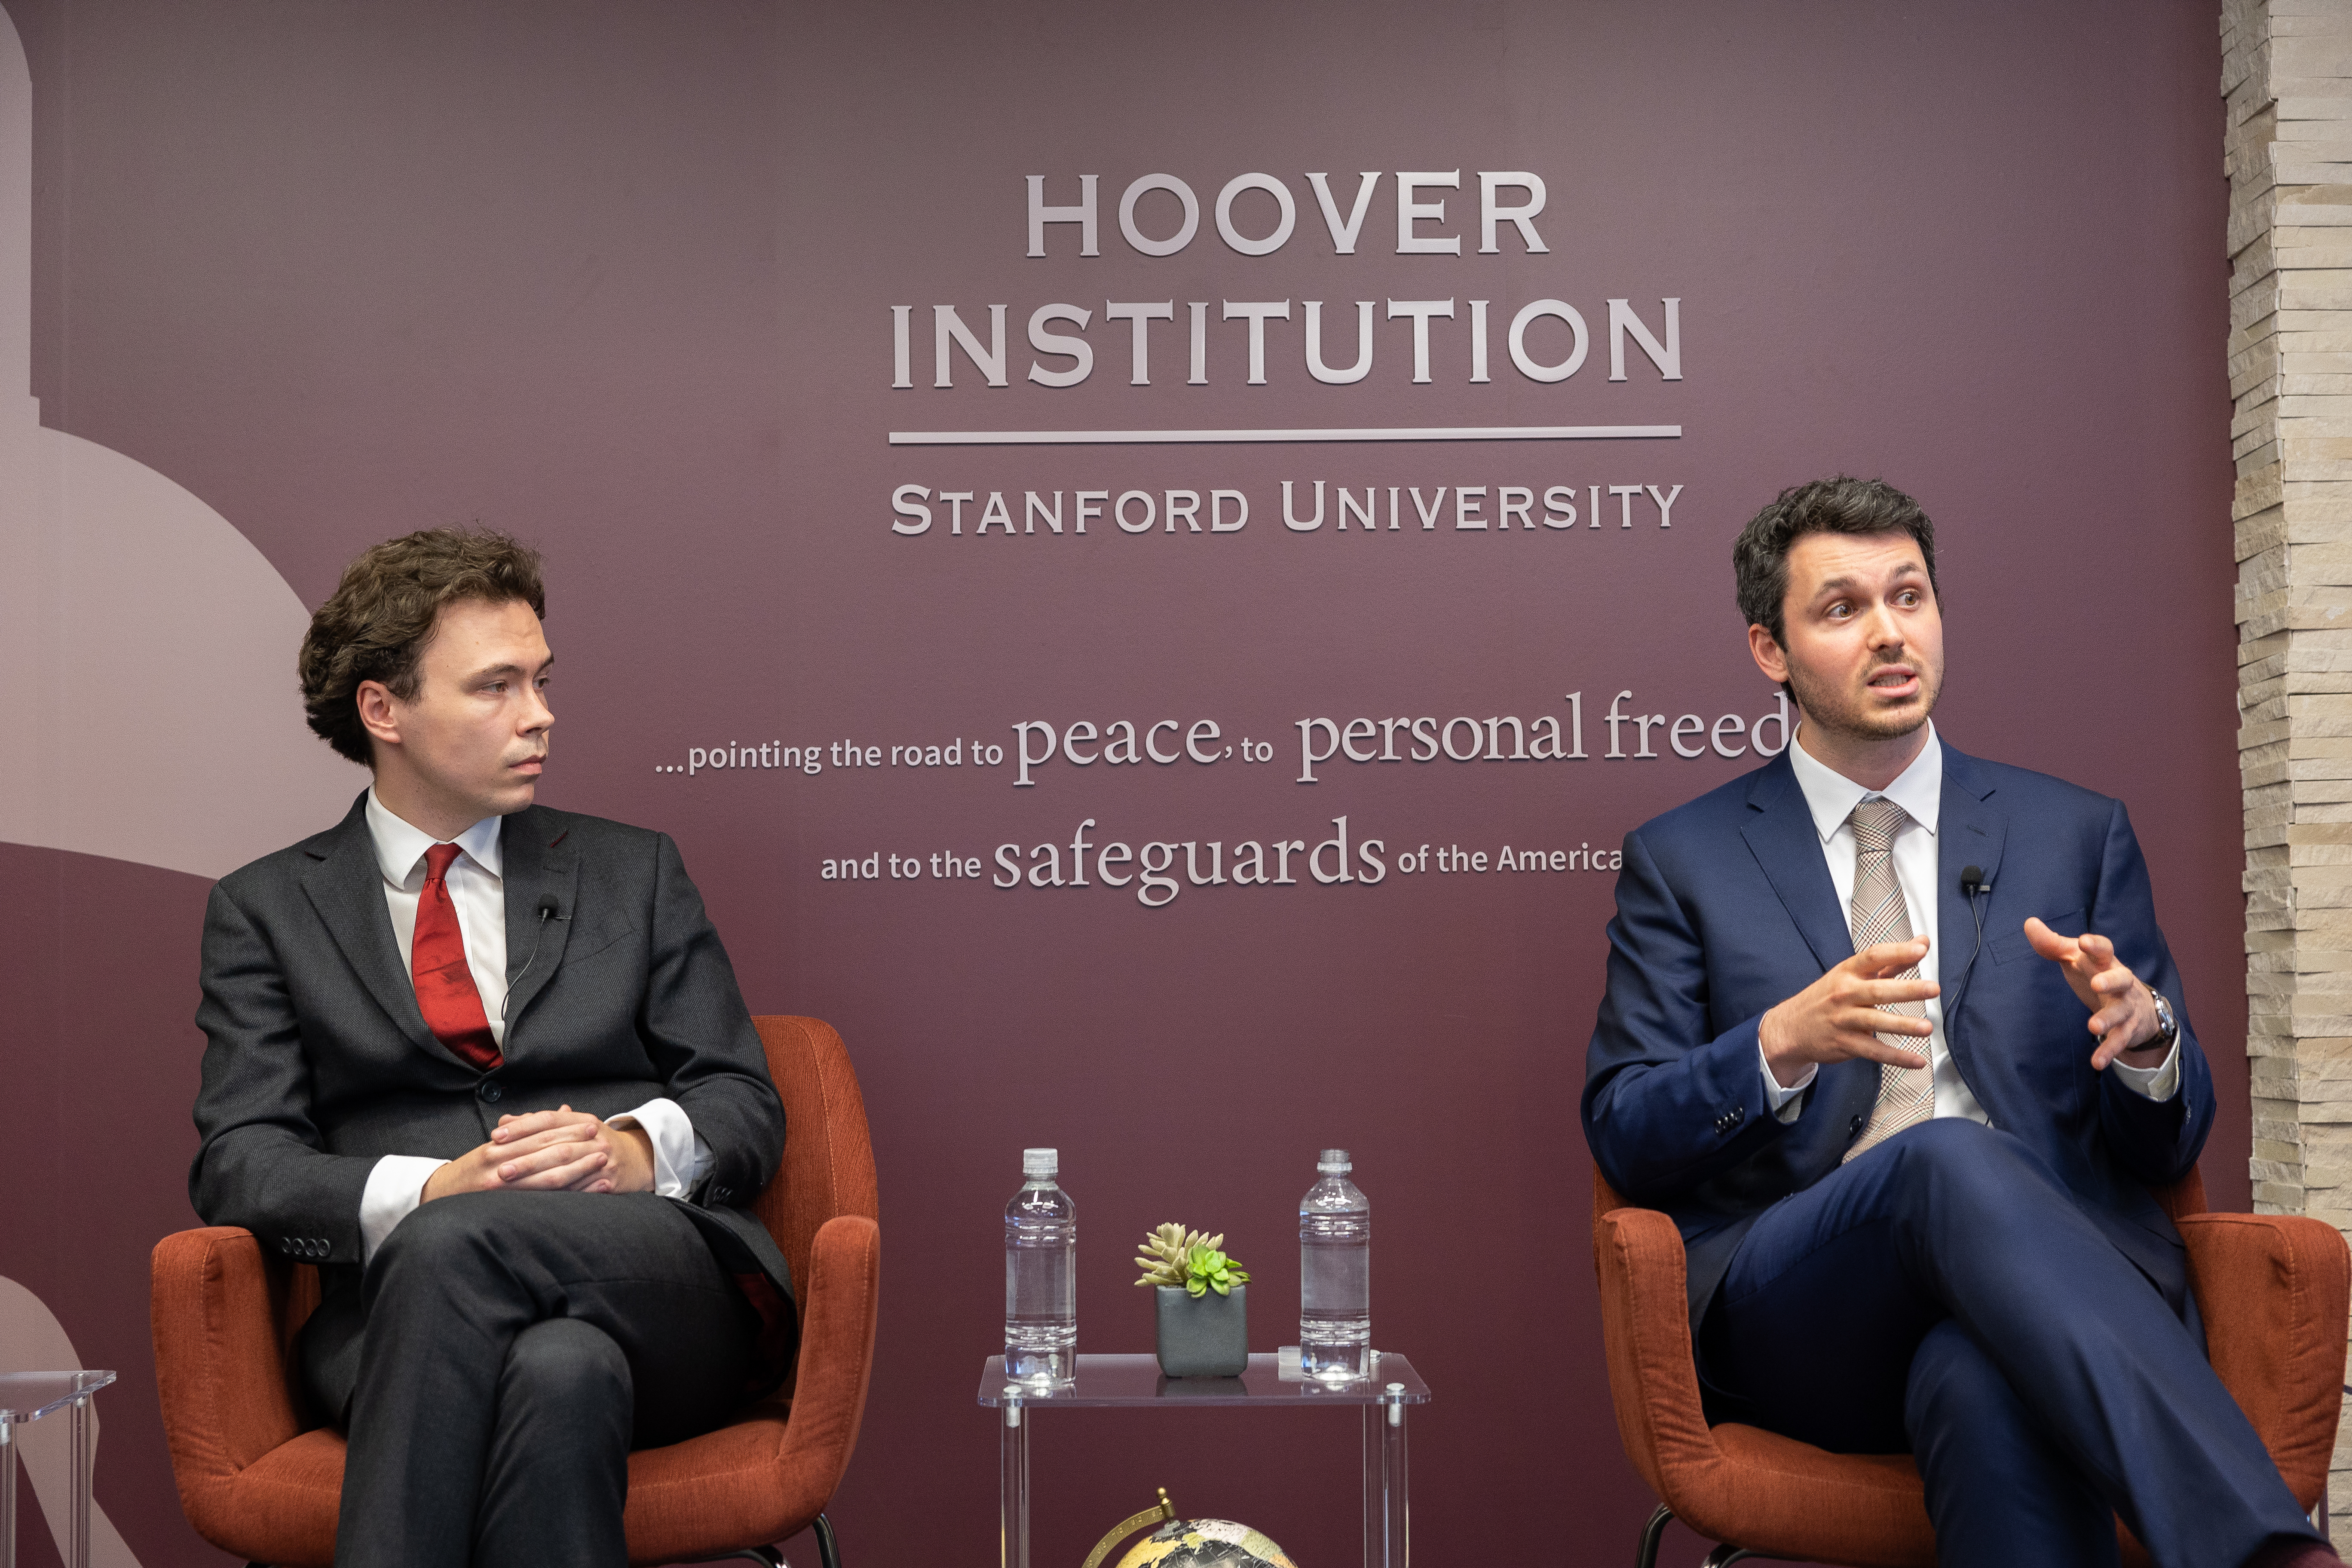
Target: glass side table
(1134,1383)
(27,1396)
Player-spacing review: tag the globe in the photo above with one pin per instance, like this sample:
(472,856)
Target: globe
(1206,1543)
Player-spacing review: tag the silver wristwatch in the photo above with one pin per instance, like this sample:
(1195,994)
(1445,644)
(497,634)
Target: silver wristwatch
(2168,1027)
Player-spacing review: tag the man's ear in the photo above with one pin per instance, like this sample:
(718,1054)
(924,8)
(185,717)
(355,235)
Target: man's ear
(378,715)
(1767,653)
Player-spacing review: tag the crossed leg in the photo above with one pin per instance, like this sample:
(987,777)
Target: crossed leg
(1942,1293)
(516,1346)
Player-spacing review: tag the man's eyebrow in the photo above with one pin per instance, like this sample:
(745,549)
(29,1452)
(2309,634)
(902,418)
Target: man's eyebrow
(1849,585)
(490,671)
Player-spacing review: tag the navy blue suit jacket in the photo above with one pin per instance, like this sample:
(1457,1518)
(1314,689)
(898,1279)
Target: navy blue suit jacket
(1724,908)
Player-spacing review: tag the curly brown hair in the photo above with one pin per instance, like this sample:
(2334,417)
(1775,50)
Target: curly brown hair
(375,624)
(1759,556)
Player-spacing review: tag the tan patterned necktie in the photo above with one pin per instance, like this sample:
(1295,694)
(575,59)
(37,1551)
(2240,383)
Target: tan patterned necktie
(1905,1095)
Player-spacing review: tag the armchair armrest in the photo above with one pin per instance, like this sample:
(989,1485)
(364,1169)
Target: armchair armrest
(2272,1290)
(770,1472)
(219,1313)
(836,1351)
(1645,1330)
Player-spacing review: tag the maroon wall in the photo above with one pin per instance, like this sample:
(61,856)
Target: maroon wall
(619,279)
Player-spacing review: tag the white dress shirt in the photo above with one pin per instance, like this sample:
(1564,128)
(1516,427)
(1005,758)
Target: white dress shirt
(1831,796)
(477,890)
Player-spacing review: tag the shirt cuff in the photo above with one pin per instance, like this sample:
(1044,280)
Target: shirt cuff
(681,1159)
(2160,1082)
(1784,1103)
(393,1190)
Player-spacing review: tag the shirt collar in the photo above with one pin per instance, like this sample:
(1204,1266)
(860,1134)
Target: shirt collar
(400,848)
(1832,796)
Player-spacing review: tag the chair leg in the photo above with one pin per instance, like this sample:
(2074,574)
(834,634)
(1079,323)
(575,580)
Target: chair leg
(1652,1532)
(1725,1555)
(829,1550)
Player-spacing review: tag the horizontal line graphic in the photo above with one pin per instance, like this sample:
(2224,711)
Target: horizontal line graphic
(1367,433)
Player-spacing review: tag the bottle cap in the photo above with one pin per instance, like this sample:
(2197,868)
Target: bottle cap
(1334,1163)
(1038,1164)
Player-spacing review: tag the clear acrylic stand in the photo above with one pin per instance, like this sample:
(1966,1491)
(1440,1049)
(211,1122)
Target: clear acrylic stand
(27,1396)
(1134,1383)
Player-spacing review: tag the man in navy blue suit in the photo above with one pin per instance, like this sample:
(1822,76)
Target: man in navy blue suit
(1893,1034)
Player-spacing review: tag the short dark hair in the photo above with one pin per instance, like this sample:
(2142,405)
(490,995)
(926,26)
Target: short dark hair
(1759,557)
(375,624)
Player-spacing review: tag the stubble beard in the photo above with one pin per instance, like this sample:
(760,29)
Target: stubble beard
(1855,721)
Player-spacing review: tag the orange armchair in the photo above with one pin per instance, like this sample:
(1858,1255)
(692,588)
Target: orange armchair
(256,1483)
(2272,1288)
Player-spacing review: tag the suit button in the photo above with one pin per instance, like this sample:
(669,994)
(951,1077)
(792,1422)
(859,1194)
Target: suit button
(1853,1128)
(1737,1114)
(490,1092)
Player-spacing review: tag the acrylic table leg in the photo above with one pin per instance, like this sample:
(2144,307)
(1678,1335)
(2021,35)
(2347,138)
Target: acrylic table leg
(8,1494)
(1388,1535)
(85,1456)
(1012,1488)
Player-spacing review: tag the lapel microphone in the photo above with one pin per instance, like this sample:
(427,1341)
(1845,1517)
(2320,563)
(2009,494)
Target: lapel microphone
(1972,882)
(547,909)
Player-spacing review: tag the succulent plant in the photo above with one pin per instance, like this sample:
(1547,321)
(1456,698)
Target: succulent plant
(1207,1269)
(1174,1256)
(1165,1250)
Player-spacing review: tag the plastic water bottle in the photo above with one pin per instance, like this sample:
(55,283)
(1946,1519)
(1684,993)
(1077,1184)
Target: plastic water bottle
(1041,1296)
(1335,1275)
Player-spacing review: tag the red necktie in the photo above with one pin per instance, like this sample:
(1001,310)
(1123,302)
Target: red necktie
(436,960)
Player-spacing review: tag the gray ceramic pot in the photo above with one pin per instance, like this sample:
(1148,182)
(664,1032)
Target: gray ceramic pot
(1204,1338)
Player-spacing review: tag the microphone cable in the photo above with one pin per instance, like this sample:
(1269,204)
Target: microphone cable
(547,908)
(1972,882)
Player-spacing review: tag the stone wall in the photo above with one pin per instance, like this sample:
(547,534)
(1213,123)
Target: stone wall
(2287,80)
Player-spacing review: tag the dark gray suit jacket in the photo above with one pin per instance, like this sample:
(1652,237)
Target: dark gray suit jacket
(318,1061)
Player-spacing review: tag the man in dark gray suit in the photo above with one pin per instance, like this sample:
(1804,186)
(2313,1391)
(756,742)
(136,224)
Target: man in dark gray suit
(487,1065)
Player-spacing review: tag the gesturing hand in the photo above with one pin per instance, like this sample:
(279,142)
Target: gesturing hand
(550,1151)
(1839,1017)
(2123,1015)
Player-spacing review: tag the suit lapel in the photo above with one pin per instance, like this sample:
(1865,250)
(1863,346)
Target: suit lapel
(538,862)
(1787,845)
(1970,833)
(1781,833)
(346,888)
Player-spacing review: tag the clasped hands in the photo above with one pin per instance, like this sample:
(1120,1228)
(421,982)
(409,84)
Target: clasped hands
(1839,1017)
(561,1150)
